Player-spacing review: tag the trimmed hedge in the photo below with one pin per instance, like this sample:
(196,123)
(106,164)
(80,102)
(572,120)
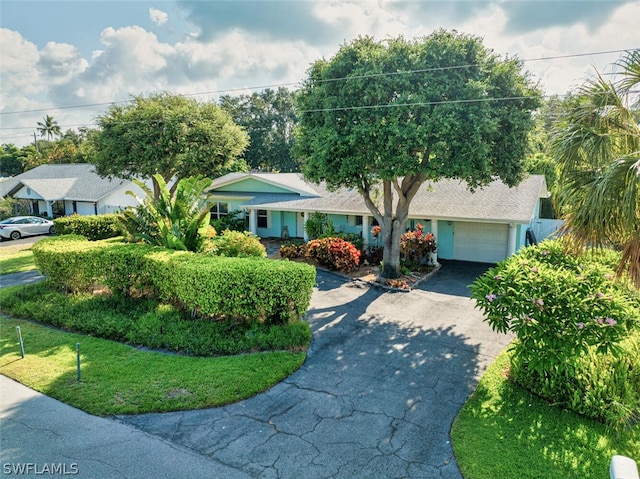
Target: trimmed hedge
(243,289)
(93,228)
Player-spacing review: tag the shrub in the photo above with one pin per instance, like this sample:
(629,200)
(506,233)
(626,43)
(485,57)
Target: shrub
(93,228)
(318,225)
(568,313)
(353,238)
(234,221)
(416,245)
(236,244)
(292,250)
(333,253)
(239,289)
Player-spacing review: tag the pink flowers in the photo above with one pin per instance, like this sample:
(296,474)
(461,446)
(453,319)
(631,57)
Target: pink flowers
(538,303)
(580,325)
(491,297)
(610,321)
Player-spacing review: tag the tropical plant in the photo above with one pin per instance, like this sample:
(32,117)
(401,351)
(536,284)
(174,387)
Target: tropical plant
(596,142)
(176,219)
(318,224)
(385,117)
(49,127)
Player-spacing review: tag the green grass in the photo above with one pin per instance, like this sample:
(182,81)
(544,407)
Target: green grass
(119,379)
(16,262)
(506,432)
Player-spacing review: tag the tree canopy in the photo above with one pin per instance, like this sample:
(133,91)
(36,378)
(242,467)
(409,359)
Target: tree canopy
(169,135)
(269,118)
(394,114)
(596,142)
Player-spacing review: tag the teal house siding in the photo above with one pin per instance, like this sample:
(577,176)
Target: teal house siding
(289,219)
(252,185)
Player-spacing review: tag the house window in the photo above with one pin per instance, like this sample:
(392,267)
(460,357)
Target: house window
(219,210)
(358,220)
(262,219)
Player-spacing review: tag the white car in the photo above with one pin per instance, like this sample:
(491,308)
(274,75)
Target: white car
(19,226)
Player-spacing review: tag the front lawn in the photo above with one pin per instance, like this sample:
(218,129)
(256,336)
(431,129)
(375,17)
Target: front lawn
(120,379)
(16,261)
(504,431)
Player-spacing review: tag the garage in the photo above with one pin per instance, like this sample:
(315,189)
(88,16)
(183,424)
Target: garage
(482,242)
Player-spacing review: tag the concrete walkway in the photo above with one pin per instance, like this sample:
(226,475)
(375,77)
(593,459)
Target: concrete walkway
(385,377)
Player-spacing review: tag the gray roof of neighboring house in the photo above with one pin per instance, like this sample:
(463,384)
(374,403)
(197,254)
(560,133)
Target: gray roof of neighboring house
(445,199)
(73,182)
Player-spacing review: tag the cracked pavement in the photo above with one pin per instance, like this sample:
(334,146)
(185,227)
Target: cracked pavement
(385,377)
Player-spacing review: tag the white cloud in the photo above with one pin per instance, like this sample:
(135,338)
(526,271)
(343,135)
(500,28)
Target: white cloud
(158,16)
(60,62)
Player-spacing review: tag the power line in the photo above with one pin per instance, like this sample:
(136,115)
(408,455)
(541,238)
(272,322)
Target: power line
(372,75)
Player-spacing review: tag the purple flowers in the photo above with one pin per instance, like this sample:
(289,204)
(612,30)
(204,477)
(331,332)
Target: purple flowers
(580,325)
(491,297)
(544,253)
(497,277)
(538,303)
(599,295)
(610,321)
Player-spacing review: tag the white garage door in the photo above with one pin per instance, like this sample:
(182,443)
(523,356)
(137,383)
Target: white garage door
(483,242)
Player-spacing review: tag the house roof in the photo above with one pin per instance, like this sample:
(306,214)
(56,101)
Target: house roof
(73,182)
(445,199)
(293,182)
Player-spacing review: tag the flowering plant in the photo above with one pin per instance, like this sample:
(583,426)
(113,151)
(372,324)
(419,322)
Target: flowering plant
(416,245)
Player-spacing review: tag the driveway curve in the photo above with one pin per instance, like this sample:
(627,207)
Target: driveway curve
(385,377)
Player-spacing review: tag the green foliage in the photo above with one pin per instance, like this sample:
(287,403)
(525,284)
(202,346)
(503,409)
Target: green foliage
(236,244)
(596,144)
(239,289)
(269,117)
(149,323)
(505,431)
(8,207)
(234,220)
(94,227)
(170,135)
(318,225)
(333,253)
(398,118)
(565,310)
(175,219)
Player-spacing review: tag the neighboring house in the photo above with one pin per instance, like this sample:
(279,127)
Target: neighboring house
(486,226)
(65,189)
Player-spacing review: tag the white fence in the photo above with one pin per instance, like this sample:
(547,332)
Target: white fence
(543,228)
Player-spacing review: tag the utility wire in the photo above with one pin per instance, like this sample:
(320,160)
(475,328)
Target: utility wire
(372,75)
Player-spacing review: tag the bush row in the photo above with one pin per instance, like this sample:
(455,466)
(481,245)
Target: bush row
(93,228)
(576,327)
(242,289)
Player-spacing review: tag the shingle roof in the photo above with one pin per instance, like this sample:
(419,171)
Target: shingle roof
(74,182)
(445,199)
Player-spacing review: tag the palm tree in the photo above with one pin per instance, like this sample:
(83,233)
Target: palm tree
(597,145)
(49,127)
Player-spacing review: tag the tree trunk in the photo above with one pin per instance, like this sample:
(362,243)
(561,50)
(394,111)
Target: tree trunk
(391,253)
(393,223)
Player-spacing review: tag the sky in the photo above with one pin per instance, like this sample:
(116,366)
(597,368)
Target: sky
(71,59)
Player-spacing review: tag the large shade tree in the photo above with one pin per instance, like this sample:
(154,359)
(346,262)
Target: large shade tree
(269,117)
(387,117)
(596,142)
(170,135)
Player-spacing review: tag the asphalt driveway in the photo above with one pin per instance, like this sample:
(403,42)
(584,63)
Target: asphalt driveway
(385,377)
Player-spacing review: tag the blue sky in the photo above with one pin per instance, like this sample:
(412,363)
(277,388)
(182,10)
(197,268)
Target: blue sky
(82,55)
